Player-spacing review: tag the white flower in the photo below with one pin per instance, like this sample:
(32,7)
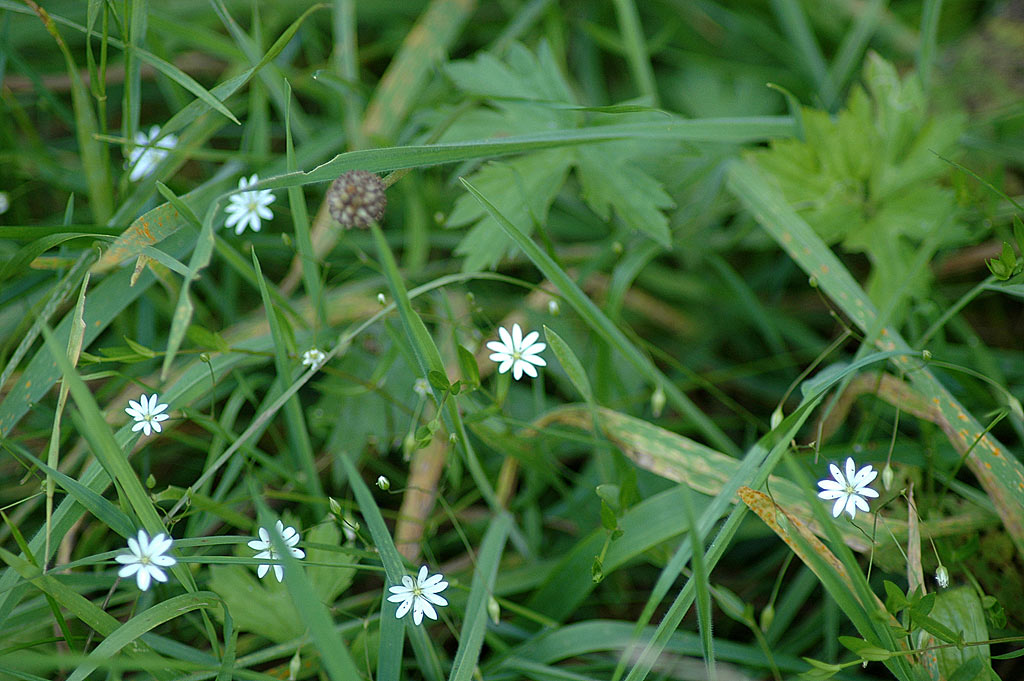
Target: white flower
(246,208)
(421,387)
(848,490)
(517,353)
(145,155)
(314,357)
(266,549)
(421,596)
(146,559)
(942,576)
(147,414)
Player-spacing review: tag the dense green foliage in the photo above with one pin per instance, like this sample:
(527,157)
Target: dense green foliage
(754,239)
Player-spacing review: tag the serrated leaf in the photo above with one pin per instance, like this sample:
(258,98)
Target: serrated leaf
(520,75)
(610,182)
(522,189)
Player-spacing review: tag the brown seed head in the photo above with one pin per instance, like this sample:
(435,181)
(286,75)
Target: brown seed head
(356,199)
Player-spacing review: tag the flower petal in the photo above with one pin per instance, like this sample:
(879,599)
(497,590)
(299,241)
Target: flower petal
(837,509)
(403,608)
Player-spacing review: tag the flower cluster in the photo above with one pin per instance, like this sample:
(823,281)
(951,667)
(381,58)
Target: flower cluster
(147,557)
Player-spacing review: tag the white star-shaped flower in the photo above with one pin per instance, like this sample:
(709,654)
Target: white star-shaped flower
(420,596)
(421,387)
(517,352)
(147,414)
(145,155)
(314,357)
(850,489)
(266,549)
(146,558)
(245,209)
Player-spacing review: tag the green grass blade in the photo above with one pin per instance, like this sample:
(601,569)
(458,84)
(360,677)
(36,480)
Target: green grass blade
(927,50)
(600,323)
(111,515)
(82,608)
(335,655)
(140,624)
(426,655)
(703,587)
(110,455)
(636,49)
(851,49)
(797,28)
(300,446)
(93,160)
(431,38)
(183,310)
(732,130)
(300,222)
(474,625)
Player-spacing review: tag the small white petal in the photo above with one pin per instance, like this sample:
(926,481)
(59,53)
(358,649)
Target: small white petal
(262,570)
(435,599)
(837,509)
(427,608)
(129,570)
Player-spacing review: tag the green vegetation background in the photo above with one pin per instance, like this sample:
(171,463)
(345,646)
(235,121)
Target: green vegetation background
(756,237)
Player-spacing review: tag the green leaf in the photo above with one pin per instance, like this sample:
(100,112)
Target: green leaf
(895,599)
(524,189)
(960,610)
(426,654)
(139,625)
(970,670)
(609,181)
(572,365)
(474,626)
(111,515)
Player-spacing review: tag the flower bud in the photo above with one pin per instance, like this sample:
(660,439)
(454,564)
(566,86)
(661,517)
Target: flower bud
(887,476)
(657,402)
(493,609)
(926,355)
(767,617)
(357,199)
(294,666)
(942,576)
(382,299)
(335,506)
(383,483)
(553,308)
(777,417)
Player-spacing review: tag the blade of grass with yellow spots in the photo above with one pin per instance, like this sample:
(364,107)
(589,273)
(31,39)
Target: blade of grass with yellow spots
(1001,475)
(707,470)
(849,590)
